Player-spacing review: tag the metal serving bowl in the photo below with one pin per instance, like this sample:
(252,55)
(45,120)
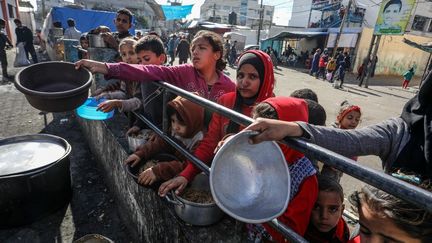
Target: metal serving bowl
(54,86)
(249,182)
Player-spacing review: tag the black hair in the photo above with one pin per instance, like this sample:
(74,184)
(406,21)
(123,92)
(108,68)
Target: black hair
(71,22)
(17,21)
(150,43)
(305,94)
(327,184)
(415,221)
(265,110)
(317,114)
(126,12)
(216,43)
(391,2)
(57,24)
(171,111)
(83,37)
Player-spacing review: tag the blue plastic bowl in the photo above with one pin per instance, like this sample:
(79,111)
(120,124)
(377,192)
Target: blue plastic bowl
(88,110)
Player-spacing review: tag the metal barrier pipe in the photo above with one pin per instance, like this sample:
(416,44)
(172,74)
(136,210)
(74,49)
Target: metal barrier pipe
(182,150)
(287,232)
(375,178)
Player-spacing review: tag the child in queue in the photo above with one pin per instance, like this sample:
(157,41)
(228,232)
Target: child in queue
(386,218)
(348,118)
(255,83)
(304,187)
(204,76)
(326,223)
(84,45)
(186,127)
(128,98)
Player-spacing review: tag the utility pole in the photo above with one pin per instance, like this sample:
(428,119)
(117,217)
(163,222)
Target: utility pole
(341,28)
(374,55)
(43,11)
(214,12)
(260,23)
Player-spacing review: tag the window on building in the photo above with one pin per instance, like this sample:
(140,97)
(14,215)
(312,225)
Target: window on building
(269,12)
(419,23)
(11,11)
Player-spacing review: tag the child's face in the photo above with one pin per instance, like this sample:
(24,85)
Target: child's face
(148,57)
(122,23)
(128,54)
(327,211)
(178,127)
(375,228)
(248,81)
(84,44)
(203,55)
(351,120)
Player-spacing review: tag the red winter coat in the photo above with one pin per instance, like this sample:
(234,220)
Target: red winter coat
(340,234)
(219,123)
(300,207)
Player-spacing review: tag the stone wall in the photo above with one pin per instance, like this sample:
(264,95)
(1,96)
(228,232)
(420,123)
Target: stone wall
(148,217)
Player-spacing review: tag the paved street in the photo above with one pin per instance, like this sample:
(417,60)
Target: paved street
(18,117)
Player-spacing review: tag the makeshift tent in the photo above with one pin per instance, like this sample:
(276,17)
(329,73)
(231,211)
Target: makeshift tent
(85,19)
(176,12)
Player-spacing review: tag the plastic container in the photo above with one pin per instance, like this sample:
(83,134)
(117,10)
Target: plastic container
(88,110)
(136,140)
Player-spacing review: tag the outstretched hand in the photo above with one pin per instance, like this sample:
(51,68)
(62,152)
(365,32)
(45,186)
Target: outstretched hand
(109,105)
(273,130)
(93,66)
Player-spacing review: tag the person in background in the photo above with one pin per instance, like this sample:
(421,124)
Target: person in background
(138,35)
(326,223)
(24,34)
(233,54)
(407,77)
(172,46)
(4,43)
(186,127)
(71,32)
(84,45)
(331,68)
(227,48)
(183,50)
(122,22)
(322,64)
(305,94)
(315,62)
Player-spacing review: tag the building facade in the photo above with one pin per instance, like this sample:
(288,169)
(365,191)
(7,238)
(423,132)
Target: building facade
(247,12)
(9,12)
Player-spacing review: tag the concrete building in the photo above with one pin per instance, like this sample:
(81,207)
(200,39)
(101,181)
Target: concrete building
(51,3)
(247,11)
(9,12)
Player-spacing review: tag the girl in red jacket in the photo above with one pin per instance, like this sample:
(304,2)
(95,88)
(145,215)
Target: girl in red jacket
(304,187)
(255,82)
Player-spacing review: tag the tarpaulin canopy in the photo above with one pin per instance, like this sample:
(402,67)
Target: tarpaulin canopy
(427,47)
(176,12)
(296,34)
(85,19)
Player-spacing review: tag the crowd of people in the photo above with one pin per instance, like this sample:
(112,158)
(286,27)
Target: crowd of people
(317,198)
(316,202)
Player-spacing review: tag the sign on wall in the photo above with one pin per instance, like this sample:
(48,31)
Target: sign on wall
(393,17)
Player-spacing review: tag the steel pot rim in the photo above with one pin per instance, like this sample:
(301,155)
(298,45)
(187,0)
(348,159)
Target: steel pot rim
(68,149)
(53,95)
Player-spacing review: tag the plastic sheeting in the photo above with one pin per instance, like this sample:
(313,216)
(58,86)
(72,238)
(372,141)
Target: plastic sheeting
(85,19)
(176,12)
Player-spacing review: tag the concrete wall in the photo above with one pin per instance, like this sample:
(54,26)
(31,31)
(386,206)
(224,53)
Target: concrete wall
(148,217)
(394,56)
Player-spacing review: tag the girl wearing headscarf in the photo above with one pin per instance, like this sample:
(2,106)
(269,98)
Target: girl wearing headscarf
(304,184)
(255,83)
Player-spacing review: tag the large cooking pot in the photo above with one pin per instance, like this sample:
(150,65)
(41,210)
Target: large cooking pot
(250,182)
(96,40)
(54,86)
(196,213)
(34,178)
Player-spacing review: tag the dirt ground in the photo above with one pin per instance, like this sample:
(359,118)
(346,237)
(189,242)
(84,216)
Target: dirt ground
(92,209)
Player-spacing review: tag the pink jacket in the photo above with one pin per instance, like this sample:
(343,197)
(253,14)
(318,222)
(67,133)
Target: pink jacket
(183,76)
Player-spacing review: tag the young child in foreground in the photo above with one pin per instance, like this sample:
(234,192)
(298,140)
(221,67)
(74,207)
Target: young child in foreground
(326,223)
(186,127)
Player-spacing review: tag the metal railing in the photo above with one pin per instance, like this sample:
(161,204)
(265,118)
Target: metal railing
(387,183)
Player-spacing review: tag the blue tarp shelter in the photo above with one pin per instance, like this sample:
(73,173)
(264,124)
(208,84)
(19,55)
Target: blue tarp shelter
(85,19)
(176,12)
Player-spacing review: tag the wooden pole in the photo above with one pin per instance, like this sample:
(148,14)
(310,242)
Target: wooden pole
(341,29)
(374,55)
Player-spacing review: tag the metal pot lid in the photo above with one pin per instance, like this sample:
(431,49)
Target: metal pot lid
(26,153)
